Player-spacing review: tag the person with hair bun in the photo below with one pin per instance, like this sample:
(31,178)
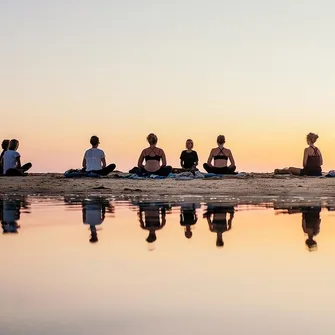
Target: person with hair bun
(153,156)
(220,155)
(312,160)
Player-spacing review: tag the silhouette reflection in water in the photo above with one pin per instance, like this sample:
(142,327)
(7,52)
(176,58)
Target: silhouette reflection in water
(10,212)
(94,211)
(152,217)
(216,216)
(311,225)
(310,222)
(188,217)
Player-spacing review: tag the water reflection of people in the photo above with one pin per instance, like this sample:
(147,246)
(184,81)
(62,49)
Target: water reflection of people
(94,211)
(188,218)
(152,217)
(310,222)
(311,225)
(10,212)
(216,216)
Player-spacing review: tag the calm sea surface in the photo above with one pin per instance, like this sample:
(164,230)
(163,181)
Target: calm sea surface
(99,266)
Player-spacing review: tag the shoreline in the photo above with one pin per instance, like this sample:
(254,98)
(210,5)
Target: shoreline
(254,185)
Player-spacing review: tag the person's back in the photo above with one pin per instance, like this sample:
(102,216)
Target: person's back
(314,160)
(93,158)
(10,160)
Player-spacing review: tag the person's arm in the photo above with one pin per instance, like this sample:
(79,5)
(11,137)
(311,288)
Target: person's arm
(304,162)
(196,159)
(304,228)
(181,159)
(140,160)
(321,159)
(163,220)
(209,160)
(230,220)
(163,158)
(84,162)
(231,159)
(18,162)
(103,162)
(140,216)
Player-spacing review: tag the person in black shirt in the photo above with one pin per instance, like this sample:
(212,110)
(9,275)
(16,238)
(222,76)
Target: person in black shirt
(188,159)
(188,218)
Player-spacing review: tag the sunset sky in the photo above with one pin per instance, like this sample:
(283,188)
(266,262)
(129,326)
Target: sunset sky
(260,72)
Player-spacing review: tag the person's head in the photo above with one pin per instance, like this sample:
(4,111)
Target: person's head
(311,138)
(94,141)
(311,244)
(152,237)
(188,233)
(152,139)
(13,144)
(94,238)
(5,144)
(221,140)
(219,243)
(189,144)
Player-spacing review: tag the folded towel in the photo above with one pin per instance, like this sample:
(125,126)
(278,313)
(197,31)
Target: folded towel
(76,173)
(330,174)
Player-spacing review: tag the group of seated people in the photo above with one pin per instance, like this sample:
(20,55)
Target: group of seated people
(10,159)
(152,160)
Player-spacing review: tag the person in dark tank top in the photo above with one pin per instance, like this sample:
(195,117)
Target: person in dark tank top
(311,225)
(312,160)
(154,160)
(216,216)
(220,155)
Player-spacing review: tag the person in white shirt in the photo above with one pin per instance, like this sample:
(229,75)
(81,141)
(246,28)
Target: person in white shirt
(95,160)
(12,162)
(94,211)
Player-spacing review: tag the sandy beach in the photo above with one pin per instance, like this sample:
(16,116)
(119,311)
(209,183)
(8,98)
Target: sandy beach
(251,185)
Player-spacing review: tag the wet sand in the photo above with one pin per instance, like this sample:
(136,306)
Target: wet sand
(251,185)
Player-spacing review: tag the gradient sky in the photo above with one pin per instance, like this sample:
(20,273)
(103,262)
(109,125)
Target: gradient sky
(260,72)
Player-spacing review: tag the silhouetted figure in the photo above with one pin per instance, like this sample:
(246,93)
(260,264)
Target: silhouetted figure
(94,211)
(4,147)
(310,221)
(10,212)
(311,225)
(188,218)
(152,217)
(216,216)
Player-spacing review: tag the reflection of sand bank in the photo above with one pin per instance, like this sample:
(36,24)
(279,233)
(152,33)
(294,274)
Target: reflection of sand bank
(251,185)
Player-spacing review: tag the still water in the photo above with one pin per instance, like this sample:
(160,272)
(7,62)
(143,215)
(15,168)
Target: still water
(84,266)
